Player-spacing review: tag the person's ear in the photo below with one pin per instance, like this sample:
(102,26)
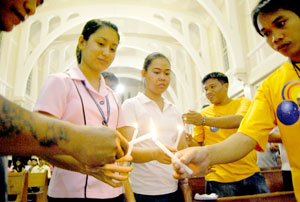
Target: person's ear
(81,42)
(226,85)
(143,73)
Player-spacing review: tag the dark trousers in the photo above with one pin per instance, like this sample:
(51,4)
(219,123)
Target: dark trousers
(117,199)
(255,184)
(171,197)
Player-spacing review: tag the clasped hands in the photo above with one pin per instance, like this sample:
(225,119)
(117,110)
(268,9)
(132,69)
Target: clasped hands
(101,154)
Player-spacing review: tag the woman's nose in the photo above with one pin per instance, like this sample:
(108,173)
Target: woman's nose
(276,37)
(30,6)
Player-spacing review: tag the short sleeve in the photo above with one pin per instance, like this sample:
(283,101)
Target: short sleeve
(244,106)
(129,110)
(53,96)
(259,120)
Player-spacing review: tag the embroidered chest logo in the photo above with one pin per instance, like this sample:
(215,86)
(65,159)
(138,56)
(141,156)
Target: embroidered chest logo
(288,110)
(213,129)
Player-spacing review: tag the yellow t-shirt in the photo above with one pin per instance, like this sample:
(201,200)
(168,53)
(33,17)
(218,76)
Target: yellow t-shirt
(277,102)
(231,172)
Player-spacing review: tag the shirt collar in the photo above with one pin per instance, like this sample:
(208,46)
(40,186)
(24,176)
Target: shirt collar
(76,74)
(144,99)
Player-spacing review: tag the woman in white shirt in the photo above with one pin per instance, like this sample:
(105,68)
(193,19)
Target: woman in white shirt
(151,178)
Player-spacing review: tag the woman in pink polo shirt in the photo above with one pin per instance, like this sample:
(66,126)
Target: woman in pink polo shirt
(80,96)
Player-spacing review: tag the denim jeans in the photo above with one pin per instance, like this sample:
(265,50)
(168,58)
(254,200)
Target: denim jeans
(255,184)
(172,197)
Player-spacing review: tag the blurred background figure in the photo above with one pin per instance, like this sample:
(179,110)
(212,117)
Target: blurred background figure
(41,168)
(18,164)
(111,80)
(268,159)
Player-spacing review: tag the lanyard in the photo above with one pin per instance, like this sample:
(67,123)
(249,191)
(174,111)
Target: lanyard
(296,68)
(105,121)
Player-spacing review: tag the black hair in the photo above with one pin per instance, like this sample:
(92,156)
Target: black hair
(216,75)
(90,28)
(16,167)
(268,6)
(111,77)
(151,57)
(205,105)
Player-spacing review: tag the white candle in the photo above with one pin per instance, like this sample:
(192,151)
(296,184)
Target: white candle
(135,132)
(133,138)
(188,128)
(137,140)
(180,130)
(168,152)
(173,157)
(140,139)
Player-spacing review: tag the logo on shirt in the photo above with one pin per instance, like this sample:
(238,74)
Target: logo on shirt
(288,110)
(214,129)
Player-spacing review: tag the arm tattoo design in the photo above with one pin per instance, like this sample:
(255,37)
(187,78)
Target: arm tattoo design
(15,120)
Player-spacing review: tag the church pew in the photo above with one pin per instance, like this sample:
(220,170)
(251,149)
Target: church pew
(194,185)
(273,179)
(197,184)
(39,180)
(17,185)
(270,197)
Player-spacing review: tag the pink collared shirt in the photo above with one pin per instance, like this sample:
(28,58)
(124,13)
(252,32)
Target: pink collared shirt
(60,98)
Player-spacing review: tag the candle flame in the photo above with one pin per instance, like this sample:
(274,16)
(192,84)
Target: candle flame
(153,130)
(180,128)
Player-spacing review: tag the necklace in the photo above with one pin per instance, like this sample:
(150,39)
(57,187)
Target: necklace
(296,68)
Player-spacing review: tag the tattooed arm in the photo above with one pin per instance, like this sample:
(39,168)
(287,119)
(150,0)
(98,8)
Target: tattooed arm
(28,133)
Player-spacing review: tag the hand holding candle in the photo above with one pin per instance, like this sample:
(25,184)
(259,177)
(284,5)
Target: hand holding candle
(135,140)
(170,154)
(133,137)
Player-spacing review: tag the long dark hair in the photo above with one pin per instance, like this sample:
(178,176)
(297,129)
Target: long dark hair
(16,167)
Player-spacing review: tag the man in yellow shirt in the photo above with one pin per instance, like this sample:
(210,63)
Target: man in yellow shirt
(276,101)
(216,123)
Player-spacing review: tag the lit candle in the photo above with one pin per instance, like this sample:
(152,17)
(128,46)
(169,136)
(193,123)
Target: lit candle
(140,139)
(168,152)
(135,131)
(188,128)
(180,130)
(133,138)
(137,140)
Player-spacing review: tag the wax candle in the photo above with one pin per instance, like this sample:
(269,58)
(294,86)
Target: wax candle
(133,138)
(173,157)
(135,132)
(140,139)
(180,130)
(168,152)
